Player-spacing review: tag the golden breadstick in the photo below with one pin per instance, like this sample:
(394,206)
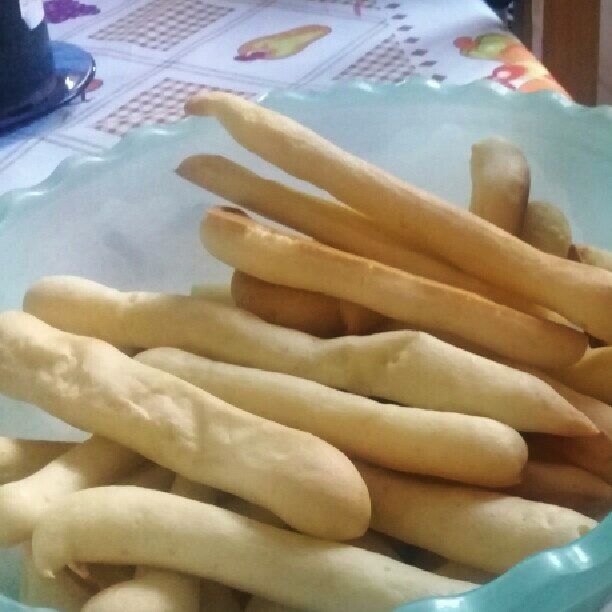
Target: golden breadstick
(95,462)
(307,311)
(466,448)
(308,483)
(458,571)
(21,458)
(500,183)
(405,367)
(546,227)
(214,293)
(592,374)
(332,223)
(581,294)
(370,540)
(200,539)
(594,256)
(151,589)
(563,485)
(487,530)
(65,591)
(280,258)
(598,412)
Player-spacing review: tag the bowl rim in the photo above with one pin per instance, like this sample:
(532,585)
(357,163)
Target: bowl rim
(539,573)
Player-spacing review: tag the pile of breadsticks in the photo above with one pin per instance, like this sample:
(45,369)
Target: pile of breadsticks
(400,401)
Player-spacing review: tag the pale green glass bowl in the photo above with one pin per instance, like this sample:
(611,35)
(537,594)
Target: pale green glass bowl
(125,219)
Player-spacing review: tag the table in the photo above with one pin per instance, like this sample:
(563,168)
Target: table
(152,54)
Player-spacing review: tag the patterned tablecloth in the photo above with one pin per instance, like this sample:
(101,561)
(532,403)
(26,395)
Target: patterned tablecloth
(152,54)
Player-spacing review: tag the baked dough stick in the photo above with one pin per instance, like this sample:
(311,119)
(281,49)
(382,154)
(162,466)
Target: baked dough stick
(431,224)
(20,458)
(564,485)
(465,448)
(593,256)
(332,223)
(311,485)
(598,412)
(405,367)
(479,528)
(290,260)
(546,227)
(592,375)
(64,592)
(307,311)
(171,532)
(500,183)
(93,463)
(151,589)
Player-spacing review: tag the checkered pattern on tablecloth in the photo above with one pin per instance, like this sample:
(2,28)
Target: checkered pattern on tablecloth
(387,62)
(162,103)
(161,24)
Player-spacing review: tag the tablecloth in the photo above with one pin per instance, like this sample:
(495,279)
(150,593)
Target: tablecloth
(152,54)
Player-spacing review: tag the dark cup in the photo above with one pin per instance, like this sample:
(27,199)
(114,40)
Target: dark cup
(26,61)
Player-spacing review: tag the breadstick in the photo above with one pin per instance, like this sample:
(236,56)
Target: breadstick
(332,223)
(563,485)
(151,589)
(584,296)
(370,540)
(546,228)
(593,256)
(64,592)
(312,486)
(21,458)
(307,311)
(466,448)
(592,374)
(500,183)
(200,539)
(486,530)
(276,257)
(598,412)
(405,367)
(215,293)
(95,462)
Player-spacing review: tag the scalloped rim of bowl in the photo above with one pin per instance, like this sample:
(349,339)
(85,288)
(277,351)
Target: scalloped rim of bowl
(544,570)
